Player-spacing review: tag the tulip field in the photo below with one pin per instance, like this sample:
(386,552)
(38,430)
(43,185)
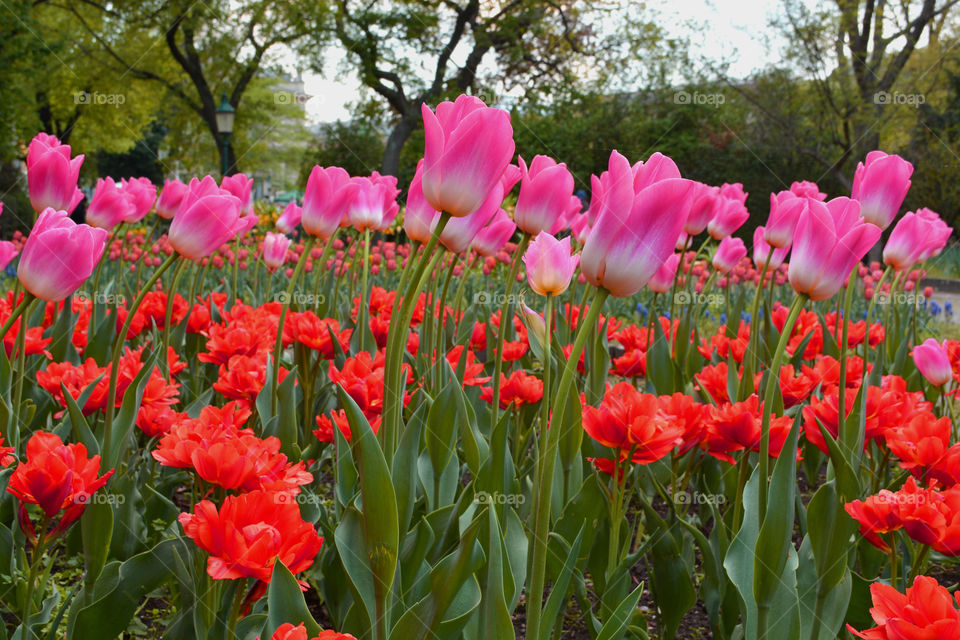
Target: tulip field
(480,408)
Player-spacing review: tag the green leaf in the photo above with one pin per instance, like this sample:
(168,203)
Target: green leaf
(285,603)
(380,520)
(494,614)
(558,592)
(127,416)
(776,530)
(617,623)
(447,409)
(123,587)
(96,529)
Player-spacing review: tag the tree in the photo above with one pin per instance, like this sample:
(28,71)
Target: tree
(410,52)
(208,47)
(854,52)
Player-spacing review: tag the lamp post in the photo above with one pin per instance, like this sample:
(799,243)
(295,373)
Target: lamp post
(225,116)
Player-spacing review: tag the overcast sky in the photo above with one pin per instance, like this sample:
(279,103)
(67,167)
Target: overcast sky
(733,30)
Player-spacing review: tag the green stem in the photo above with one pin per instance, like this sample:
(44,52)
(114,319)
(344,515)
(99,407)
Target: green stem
(773,381)
(753,348)
(393,390)
(28,299)
(168,315)
(36,559)
(235,608)
(21,351)
(844,339)
(362,301)
(506,316)
(118,348)
(236,270)
(544,486)
(278,344)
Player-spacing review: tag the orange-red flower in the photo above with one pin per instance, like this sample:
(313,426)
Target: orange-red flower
(712,380)
(56,477)
(324,430)
(287,631)
(634,423)
(517,390)
(317,333)
(737,426)
(249,533)
(472,369)
(243,377)
(926,611)
(6,454)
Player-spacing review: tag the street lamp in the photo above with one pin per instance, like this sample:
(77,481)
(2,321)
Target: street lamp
(225,116)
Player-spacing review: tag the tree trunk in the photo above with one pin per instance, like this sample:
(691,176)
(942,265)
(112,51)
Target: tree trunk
(398,137)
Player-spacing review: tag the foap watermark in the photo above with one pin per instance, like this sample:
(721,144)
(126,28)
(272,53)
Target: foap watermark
(492,298)
(99,99)
(692,297)
(306,299)
(300,498)
(290,97)
(100,498)
(701,498)
(100,297)
(898,297)
(711,99)
(911,99)
(512,499)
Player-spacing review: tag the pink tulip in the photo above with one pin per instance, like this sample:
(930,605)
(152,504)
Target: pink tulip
(785,210)
(59,255)
(371,203)
(729,215)
(734,192)
(549,264)
(807,189)
(290,218)
(545,192)
(705,203)
(240,186)
(52,175)
(909,240)
(511,176)
(419,217)
(109,206)
(933,361)
(8,251)
(580,227)
(939,234)
(170,198)
(657,167)
(467,147)
(536,325)
(761,250)
(208,217)
(275,247)
(880,184)
(682,241)
(830,239)
(142,194)
(495,235)
(460,232)
(663,279)
(324,201)
(635,232)
(729,254)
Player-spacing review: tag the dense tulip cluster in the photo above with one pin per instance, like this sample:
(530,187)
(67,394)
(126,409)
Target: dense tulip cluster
(422,415)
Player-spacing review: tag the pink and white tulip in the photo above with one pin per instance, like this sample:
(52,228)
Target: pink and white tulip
(240,186)
(666,275)
(545,191)
(549,264)
(208,217)
(325,201)
(880,184)
(830,239)
(275,247)
(290,218)
(634,233)
(109,206)
(933,361)
(785,210)
(59,255)
(170,198)
(142,194)
(52,175)
(761,250)
(467,147)
(493,237)
(729,254)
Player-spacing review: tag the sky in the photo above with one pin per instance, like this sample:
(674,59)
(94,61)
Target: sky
(732,30)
